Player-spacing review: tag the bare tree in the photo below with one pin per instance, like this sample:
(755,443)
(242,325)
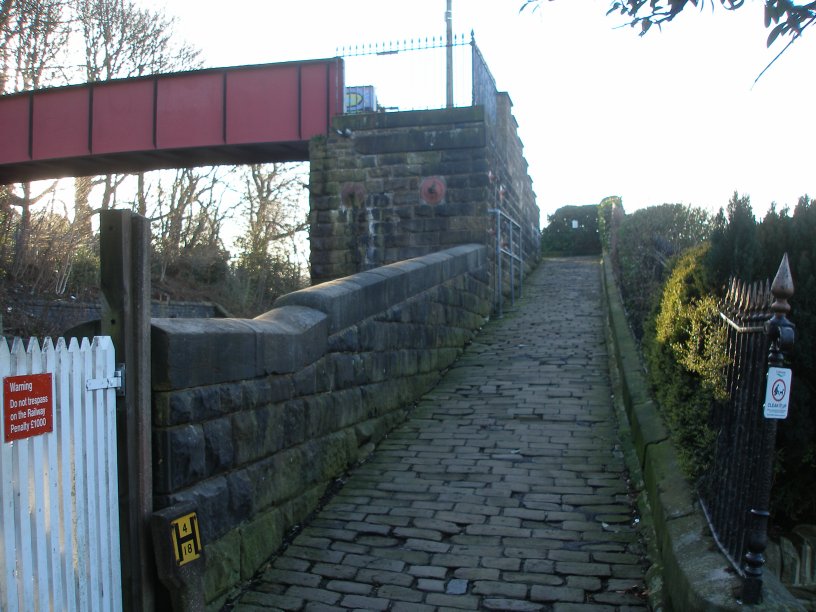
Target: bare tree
(6,35)
(272,207)
(122,40)
(32,32)
(272,211)
(189,217)
(34,35)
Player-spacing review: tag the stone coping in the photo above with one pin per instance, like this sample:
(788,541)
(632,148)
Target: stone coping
(295,333)
(696,575)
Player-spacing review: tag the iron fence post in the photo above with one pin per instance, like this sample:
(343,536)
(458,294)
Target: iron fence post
(780,333)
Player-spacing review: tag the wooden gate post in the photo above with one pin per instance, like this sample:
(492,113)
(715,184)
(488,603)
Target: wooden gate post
(125,284)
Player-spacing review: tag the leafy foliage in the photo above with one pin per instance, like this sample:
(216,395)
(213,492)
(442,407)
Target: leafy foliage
(572,230)
(610,213)
(734,242)
(685,355)
(647,242)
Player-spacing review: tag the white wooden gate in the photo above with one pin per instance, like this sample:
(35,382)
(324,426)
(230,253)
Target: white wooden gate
(58,489)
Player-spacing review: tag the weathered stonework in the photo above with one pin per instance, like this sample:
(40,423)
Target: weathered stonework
(390,186)
(289,400)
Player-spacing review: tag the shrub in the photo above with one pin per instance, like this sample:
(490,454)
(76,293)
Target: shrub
(683,351)
(684,348)
(610,213)
(647,242)
(572,230)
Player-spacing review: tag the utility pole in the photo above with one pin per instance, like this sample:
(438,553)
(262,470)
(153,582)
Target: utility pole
(449,50)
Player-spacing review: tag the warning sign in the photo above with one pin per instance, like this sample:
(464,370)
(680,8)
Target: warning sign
(28,407)
(777,393)
(186,539)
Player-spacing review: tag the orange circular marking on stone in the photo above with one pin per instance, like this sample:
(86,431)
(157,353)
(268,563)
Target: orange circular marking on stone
(432,190)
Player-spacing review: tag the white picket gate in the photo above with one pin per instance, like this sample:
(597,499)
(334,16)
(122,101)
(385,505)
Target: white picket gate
(59,490)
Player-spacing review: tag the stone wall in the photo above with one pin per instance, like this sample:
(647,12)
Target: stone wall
(506,151)
(254,419)
(388,186)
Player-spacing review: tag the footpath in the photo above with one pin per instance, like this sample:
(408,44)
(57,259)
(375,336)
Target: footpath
(505,490)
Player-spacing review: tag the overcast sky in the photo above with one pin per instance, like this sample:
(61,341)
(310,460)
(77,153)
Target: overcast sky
(669,117)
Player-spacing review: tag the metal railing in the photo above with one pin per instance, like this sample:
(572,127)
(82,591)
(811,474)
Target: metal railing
(508,247)
(411,74)
(735,490)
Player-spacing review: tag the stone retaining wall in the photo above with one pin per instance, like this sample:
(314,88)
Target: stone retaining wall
(254,419)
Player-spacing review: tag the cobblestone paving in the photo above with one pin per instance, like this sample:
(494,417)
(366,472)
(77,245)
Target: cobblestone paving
(505,490)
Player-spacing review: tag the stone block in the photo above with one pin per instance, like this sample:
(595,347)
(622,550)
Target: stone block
(330,455)
(321,415)
(223,565)
(187,406)
(349,407)
(268,390)
(378,336)
(258,433)
(259,474)
(192,352)
(241,495)
(305,381)
(471,136)
(292,337)
(294,423)
(425,158)
(341,301)
(179,457)
(230,398)
(290,470)
(212,501)
(345,368)
(218,445)
(260,538)
(669,494)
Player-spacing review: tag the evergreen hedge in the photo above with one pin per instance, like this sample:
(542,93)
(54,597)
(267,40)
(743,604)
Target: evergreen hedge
(672,264)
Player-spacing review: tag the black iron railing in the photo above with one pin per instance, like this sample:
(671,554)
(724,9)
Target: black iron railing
(735,490)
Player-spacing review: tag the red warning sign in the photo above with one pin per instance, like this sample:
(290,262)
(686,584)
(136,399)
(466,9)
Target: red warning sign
(28,407)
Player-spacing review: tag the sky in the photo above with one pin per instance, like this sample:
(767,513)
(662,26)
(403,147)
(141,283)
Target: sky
(671,117)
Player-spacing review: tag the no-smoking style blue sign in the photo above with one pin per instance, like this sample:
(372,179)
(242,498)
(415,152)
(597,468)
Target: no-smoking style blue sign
(777,393)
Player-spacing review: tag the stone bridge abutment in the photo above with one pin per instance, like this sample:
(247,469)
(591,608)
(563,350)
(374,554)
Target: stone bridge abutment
(385,187)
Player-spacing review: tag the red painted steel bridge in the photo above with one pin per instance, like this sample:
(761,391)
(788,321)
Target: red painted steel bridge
(241,115)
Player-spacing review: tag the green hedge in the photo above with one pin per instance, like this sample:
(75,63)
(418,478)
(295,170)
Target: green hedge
(672,263)
(648,241)
(572,230)
(684,349)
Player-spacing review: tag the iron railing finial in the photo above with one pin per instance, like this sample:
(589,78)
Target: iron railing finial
(782,287)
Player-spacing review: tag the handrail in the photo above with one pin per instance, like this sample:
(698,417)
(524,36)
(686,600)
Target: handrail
(514,246)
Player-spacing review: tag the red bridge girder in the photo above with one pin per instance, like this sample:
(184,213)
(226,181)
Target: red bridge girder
(241,115)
